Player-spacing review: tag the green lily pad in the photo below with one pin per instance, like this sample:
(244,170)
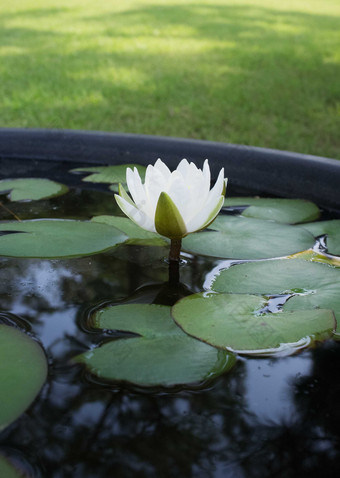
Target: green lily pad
(332,229)
(23,370)
(247,238)
(29,189)
(290,211)
(46,238)
(136,234)
(315,285)
(162,354)
(233,321)
(109,174)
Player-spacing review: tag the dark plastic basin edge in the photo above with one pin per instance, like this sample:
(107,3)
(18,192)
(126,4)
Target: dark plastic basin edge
(262,170)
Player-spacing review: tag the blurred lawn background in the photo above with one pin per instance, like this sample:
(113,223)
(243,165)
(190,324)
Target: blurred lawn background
(256,72)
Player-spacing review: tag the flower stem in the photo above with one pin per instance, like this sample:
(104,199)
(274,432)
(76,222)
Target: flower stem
(173,275)
(175,250)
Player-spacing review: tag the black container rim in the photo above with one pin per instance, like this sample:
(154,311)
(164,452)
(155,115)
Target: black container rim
(262,170)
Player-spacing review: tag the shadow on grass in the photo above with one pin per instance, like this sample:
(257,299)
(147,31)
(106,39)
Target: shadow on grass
(240,74)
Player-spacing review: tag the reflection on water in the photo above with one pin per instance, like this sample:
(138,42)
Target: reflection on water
(268,417)
(269,387)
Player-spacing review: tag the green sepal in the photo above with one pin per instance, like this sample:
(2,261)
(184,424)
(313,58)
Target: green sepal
(168,220)
(124,195)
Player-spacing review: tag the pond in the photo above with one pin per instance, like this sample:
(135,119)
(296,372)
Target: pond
(120,385)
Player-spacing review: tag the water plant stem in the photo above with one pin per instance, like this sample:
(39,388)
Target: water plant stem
(175,250)
(11,212)
(173,275)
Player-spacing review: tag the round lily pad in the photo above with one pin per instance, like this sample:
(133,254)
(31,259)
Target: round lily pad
(23,370)
(315,285)
(246,238)
(332,229)
(290,211)
(28,189)
(137,235)
(234,322)
(162,354)
(54,238)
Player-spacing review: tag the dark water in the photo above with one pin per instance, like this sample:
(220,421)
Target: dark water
(269,417)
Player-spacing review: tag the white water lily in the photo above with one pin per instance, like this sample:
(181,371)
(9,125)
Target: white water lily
(173,204)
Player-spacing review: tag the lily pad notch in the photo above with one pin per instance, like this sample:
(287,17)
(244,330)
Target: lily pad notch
(160,355)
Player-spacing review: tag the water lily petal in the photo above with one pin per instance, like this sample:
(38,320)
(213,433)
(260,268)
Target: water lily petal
(136,187)
(179,192)
(213,214)
(199,190)
(163,168)
(193,173)
(206,175)
(207,216)
(168,220)
(218,188)
(183,168)
(188,188)
(125,195)
(202,195)
(213,199)
(135,214)
(156,180)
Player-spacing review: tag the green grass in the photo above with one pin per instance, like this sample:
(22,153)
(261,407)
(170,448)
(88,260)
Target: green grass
(257,72)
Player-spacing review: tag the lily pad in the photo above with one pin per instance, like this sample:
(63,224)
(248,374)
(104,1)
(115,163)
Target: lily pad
(162,354)
(136,234)
(29,189)
(247,238)
(332,229)
(233,322)
(311,284)
(290,211)
(52,238)
(109,174)
(23,370)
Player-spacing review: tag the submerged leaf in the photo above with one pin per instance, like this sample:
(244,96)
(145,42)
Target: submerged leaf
(246,238)
(290,211)
(29,189)
(233,321)
(47,238)
(163,355)
(23,370)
